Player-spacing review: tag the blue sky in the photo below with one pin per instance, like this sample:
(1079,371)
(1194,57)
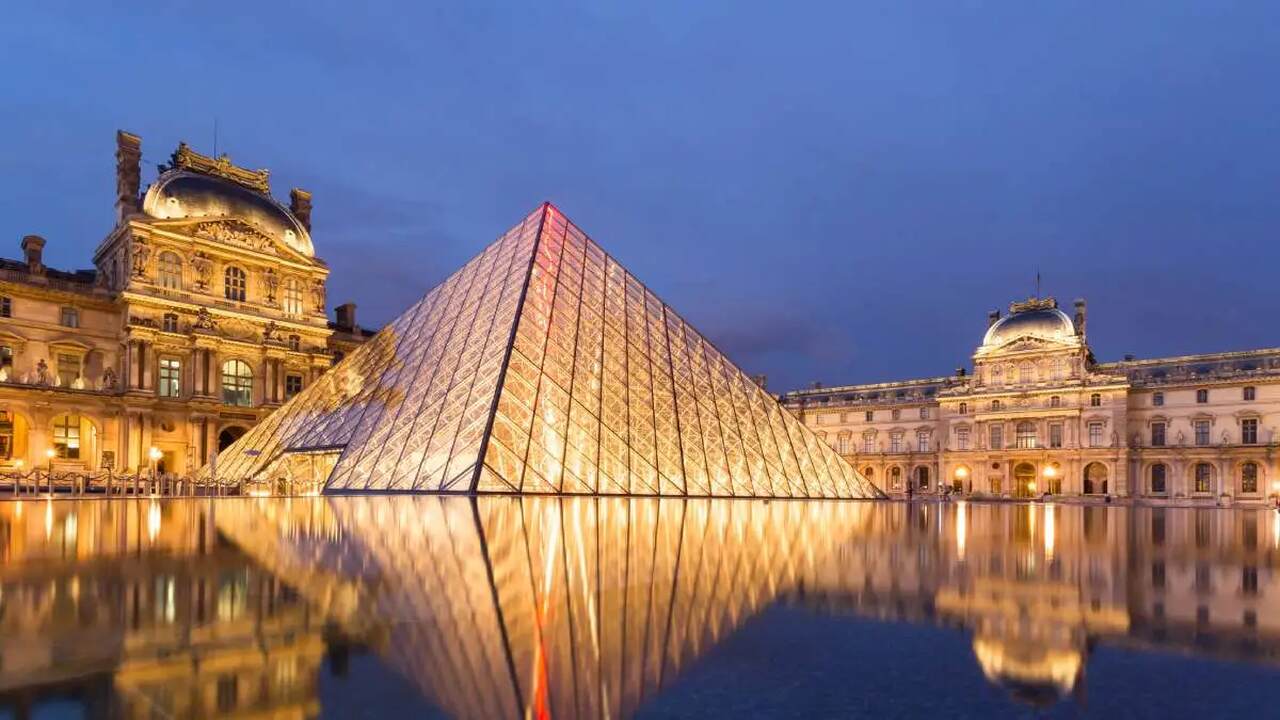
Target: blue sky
(830,191)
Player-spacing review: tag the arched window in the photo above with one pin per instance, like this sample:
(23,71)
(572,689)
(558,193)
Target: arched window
(170,270)
(995,404)
(964,408)
(66,436)
(1203,478)
(1249,478)
(1025,434)
(233,284)
(922,477)
(895,477)
(868,472)
(292,296)
(1159,478)
(237,383)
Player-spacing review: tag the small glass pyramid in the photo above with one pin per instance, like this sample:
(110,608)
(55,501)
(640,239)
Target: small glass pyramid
(541,366)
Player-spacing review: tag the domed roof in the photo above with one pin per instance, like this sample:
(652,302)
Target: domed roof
(1046,322)
(180,194)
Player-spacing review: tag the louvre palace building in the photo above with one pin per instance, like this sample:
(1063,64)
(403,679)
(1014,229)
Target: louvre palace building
(1039,415)
(204,310)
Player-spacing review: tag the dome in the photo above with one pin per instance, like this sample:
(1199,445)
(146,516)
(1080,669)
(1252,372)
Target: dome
(180,194)
(1046,322)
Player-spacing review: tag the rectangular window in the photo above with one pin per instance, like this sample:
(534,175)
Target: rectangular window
(895,442)
(1095,434)
(1250,393)
(922,441)
(1157,399)
(66,437)
(70,317)
(1249,431)
(68,368)
(170,377)
(6,306)
(1202,432)
(924,413)
(1204,484)
(1202,396)
(869,415)
(868,443)
(896,413)
(962,438)
(292,296)
(1157,434)
(293,386)
(1055,435)
(6,357)
(997,437)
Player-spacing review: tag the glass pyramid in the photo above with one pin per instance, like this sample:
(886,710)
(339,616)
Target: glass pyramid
(541,366)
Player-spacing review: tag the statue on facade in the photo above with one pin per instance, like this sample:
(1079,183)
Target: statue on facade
(271,282)
(203,267)
(205,320)
(141,256)
(271,333)
(1182,438)
(317,295)
(42,372)
(109,379)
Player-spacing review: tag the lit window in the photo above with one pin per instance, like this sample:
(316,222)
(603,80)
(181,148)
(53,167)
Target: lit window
(895,477)
(6,358)
(1055,435)
(962,438)
(170,270)
(68,368)
(1095,434)
(1159,473)
(1157,434)
(1157,399)
(1249,478)
(895,442)
(170,323)
(66,437)
(1095,400)
(170,377)
(6,306)
(922,441)
(1250,393)
(70,317)
(869,416)
(1204,477)
(237,383)
(1202,396)
(292,296)
(997,437)
(292,385)
(1202,432)
(1025,434)
(1249,431)
(234,284)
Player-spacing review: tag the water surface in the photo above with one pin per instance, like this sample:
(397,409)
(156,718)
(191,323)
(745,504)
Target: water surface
(594,607)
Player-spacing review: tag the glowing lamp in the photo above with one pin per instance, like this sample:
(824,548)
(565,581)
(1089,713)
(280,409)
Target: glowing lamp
(154,453)
(1050,471)
(962,472)
(1031,486)
(19,463)
(50,453)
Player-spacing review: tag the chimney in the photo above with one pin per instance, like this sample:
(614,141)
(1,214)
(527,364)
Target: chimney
(1128,357)
(346,313)
(128,173)
(1080,317)
(33,250)
(993,317)
(960,372)
(300,206)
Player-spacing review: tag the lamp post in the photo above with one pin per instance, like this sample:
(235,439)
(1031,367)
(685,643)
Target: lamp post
(154,454)
(49,453)
(17,479)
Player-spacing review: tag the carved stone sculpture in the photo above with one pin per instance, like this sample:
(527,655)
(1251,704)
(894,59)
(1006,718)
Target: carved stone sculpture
(205,320)
(109,379)
(271,282)
(203,267)
(42,372)
(141,256)
(271,333)
(317,295)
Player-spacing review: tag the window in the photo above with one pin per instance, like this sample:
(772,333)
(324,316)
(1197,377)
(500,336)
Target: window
(1055,435)
(1250,393)
(170,377)
(1202,432)
(1202,396)
(997,437)
(842,440)
(1055,401)
(6,358)
(169,323)
(292,296)
(895,442)
(1024,374)
(1249,431)
(924,413)
(922,441)
(295,342)
(1159,479)
(1157,399)
(869,415)
(1157,434)
(1025,435)
(233,284)
(170,270)
(964,408)
(962,438)
(68,369)
(868,443)
(70,317)
(995,404)
(66,437)
(1095,400)
(1095,434)
(895,477)
(1204,477)
(1249,478)
(896,413)
(6,306)
(237,383)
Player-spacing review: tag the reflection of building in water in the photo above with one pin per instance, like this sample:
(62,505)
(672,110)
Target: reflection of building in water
(136,609)
(1037,585)
(1039,414)
(578,607)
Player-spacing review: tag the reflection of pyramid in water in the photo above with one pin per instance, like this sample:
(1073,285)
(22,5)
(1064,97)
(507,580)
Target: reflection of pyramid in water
(542,366)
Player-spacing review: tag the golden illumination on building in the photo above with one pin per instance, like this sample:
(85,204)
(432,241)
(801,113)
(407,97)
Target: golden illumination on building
(543,366)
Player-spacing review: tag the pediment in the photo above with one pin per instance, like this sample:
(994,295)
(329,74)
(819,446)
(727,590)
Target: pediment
(233,232)
(1028,343)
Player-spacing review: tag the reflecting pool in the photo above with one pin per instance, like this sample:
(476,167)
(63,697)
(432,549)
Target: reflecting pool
(401,606)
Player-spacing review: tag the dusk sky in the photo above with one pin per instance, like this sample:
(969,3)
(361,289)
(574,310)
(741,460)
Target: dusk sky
(829,191)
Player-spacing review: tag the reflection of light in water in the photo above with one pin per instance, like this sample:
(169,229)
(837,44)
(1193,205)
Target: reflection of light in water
(48,519)
(69,529)
(1275,530)
(17,510)
(1050,532)
(153,521)
(962,528)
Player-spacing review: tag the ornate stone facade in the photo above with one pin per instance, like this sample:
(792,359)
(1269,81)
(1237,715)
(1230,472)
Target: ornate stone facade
(199,317)
(1040,415)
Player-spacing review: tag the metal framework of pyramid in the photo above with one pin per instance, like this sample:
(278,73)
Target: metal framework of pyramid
(541,366)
